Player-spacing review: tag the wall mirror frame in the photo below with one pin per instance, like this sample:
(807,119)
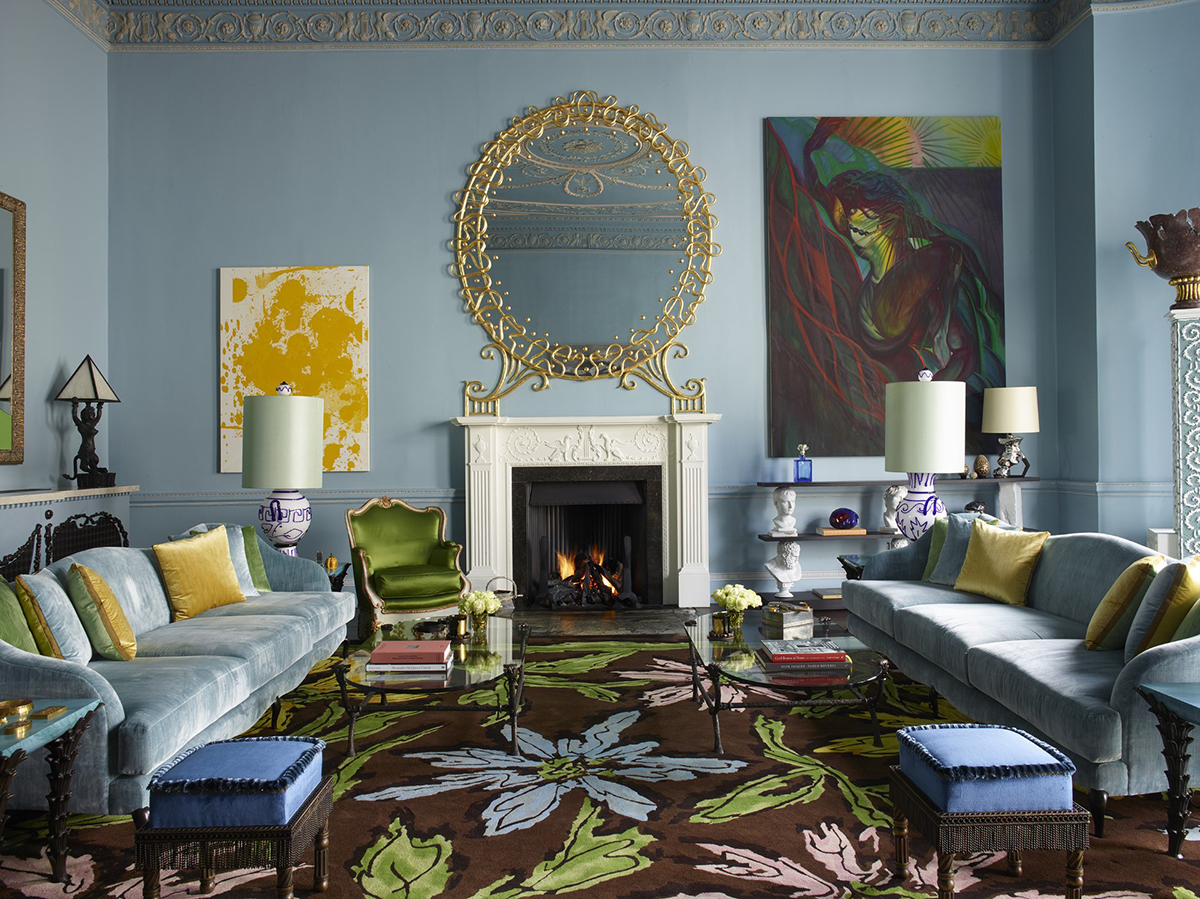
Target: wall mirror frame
(519,340)
(12,330)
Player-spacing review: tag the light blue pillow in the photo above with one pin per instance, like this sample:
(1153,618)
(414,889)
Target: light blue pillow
(954,550)
(59,614)
(237,553)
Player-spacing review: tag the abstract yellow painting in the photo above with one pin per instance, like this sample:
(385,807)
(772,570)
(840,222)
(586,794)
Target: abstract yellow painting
(307,326)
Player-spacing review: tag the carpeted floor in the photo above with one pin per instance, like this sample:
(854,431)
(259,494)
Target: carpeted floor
(618,795)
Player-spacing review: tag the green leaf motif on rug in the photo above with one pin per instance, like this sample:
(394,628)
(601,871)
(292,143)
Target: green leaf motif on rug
(777,791)
(402,867)
(1184,893)
(585,861)
(346,776)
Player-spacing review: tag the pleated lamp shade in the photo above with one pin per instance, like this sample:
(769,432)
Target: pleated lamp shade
(924,426)
(1010,410)
(283,442)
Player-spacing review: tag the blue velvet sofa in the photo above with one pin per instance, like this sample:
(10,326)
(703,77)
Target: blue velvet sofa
(193,681)
(1026,666)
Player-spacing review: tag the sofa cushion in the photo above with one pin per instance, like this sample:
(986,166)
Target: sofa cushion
(878,601)
(1000,562)
(936,542)
(322,613)
(1167,603)
(943,633)
(168,701)
(198,573)
(268,644)
(1076,570)
(14,629)
(101,615)
(133,576)
(237,553)
(1059,687)
(51,618)
(1109,627)
(415,580)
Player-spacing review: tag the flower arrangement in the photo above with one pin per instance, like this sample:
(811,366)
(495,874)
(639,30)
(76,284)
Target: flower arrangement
(479,602)
(736,598)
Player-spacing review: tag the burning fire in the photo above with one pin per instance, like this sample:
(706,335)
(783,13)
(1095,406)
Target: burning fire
(566,563)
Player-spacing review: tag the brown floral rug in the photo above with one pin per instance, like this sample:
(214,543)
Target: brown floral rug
(618,794)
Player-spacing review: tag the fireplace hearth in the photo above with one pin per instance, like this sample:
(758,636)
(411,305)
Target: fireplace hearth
(588,537)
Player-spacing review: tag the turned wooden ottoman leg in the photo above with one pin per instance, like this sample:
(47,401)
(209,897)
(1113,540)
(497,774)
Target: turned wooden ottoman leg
(945,875)
(150,884)
(900,837)
(283,882)
(208,876)
(1014,862)
(1075,875)
(321,859)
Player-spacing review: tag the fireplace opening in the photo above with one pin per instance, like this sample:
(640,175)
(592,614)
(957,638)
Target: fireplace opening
(588,538)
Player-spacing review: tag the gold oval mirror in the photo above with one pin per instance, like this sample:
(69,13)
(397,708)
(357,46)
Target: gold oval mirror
(12,330)
(583,243)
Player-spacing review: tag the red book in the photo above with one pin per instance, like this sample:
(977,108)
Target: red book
(813,681)
(422,652)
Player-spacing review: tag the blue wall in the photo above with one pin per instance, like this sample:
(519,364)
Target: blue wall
(264,158)
(54,157)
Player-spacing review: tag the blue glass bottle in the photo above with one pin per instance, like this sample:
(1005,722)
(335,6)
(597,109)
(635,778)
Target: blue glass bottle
(802,466)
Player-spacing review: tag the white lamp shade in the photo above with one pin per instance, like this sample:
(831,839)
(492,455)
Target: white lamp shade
(924,426)
(1010,410)
(87,384)
(283,441)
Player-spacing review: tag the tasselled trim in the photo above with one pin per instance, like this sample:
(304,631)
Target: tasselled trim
(238,784)
(1063,765)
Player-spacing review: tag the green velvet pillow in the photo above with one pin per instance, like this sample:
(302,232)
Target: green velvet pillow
(1170,598)
(14,629)
(936,542)
(254,559)
(101,614)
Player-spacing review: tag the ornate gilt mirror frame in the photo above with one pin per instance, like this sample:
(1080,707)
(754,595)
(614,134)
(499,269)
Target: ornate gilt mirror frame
(15,397)
(523,355)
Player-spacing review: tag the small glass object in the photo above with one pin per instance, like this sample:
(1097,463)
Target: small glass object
(803,466)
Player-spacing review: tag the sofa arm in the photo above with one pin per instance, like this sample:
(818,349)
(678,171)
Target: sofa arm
(29,676)
(445,555)
(904,564)
(1170,663)
(291,574)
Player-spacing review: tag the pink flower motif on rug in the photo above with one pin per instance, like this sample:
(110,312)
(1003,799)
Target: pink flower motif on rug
(676,678)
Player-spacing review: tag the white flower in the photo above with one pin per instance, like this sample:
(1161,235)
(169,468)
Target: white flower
(535,784)
(479,601)
(736,598)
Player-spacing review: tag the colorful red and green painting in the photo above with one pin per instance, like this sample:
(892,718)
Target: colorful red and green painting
(884,240)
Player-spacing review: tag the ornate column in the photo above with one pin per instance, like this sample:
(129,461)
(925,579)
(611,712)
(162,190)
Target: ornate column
(688,552)
(487,483)
(1185,425)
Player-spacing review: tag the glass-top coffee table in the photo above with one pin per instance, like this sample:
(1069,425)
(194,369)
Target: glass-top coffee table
(474,664)
(740,663)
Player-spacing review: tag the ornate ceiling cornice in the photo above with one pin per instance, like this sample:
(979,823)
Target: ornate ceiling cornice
(303,24)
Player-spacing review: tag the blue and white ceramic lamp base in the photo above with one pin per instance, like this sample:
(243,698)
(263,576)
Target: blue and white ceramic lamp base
(916,511)
(283,518)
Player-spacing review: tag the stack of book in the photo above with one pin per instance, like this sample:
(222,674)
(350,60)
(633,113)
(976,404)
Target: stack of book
(816,663)
(425,658)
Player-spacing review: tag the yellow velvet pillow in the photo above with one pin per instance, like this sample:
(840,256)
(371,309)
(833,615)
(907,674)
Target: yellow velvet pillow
(1000,563)
(102,616)
(1110,623)
(198,574)
(1181,595)
(43,637)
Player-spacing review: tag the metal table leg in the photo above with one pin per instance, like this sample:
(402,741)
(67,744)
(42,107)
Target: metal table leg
(1177,738)
(62,753)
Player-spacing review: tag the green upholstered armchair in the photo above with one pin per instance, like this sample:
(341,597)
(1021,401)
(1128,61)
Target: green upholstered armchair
(402,560)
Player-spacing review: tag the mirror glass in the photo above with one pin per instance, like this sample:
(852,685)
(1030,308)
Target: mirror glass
(583,244)
(12,328)
(585,234)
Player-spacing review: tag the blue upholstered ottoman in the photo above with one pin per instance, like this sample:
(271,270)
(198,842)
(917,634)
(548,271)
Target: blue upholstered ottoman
(985,788)
(243,803)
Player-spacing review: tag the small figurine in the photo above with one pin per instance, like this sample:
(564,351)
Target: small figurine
(897,543)
(982,466)
(784,524)
(1010,456)
(785,567)
(976,505)
(891,504)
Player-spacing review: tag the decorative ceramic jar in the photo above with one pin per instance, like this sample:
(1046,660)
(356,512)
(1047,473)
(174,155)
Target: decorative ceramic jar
(1173,252)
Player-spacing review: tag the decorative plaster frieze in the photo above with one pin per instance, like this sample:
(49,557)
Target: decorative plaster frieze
(1185,381)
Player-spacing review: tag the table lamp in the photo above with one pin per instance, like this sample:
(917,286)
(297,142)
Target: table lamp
(87,386)
(1005,411)
(924,432)
(283,441)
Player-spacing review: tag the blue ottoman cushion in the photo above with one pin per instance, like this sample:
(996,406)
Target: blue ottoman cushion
(245,782)
(985,768)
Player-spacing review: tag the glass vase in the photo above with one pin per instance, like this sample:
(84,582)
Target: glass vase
(479,622)
(734,622)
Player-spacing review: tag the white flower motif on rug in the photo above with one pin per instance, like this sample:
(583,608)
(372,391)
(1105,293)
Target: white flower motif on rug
(534,785)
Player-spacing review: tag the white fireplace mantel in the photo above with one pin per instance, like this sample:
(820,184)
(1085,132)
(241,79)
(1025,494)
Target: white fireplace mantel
(678,443)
